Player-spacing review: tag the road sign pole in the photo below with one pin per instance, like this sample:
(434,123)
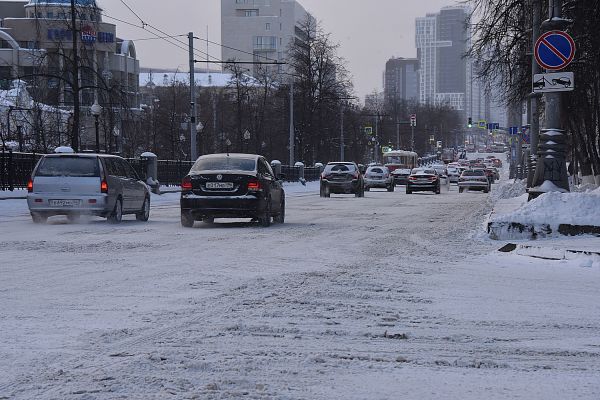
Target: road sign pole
(551,172)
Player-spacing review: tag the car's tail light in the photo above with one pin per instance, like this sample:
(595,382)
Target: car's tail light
(254,186)
(412,178)
(186,184)
(103,187)
(30,186)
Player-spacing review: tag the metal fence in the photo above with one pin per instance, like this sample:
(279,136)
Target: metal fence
(16,168)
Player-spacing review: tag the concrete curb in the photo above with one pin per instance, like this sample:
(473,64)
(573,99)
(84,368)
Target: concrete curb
(516,230)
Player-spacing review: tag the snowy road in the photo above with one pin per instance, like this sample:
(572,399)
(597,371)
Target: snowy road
(384,297)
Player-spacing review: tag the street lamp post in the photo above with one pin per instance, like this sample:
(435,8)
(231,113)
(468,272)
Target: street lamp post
(96,110)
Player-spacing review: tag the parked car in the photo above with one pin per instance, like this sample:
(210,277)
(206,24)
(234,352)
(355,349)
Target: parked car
(232,186)
(423,180)
(400,176)
(474,179)
(379,177)
(491,175)
(86,184)
(342,177)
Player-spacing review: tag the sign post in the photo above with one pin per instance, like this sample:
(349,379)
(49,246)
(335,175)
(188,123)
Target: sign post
(553,50)
(413,124)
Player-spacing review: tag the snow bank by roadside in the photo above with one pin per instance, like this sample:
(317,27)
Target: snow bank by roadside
(556,208)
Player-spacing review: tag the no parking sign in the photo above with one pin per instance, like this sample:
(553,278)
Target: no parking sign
(554,50)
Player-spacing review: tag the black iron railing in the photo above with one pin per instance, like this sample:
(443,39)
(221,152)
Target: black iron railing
(16,168)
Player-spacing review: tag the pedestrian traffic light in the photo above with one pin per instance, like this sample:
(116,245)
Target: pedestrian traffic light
(470,122)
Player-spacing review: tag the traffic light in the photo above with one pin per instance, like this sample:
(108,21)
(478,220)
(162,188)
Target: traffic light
(470,122)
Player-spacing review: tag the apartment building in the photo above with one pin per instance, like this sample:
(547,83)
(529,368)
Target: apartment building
(401,79)
(260,30)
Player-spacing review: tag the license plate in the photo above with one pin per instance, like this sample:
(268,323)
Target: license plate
(65,203)
(219,185)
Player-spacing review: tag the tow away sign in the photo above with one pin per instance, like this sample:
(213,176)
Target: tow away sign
(554,82)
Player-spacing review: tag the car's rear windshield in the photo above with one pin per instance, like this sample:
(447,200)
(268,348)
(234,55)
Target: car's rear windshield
(340,168)
(69,166)
(473,173)
(376,170)
(423,172)
(225,164)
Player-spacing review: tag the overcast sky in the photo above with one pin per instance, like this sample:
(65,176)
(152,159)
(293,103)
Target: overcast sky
(369,32)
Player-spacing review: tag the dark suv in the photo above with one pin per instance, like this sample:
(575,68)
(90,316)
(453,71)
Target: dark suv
(342,178)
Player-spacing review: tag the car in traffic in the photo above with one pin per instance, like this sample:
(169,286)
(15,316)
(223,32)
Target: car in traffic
(400,176)
(423,180)
(232,186)
(473,179)
(453,174)
(73,185)
(341,178)
(379,177)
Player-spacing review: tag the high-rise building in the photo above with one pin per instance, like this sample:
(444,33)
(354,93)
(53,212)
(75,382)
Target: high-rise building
(441,41)
(446,75)
(401,79)
(260,30)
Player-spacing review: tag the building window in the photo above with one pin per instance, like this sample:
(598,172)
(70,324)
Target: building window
(267,26)
(265,43)
(50,15)
(250,13)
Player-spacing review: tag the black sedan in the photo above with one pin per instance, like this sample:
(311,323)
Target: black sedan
(232,186)
(423,180)
(342,177)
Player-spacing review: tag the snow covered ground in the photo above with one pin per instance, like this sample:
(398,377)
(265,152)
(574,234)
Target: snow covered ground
(383,297)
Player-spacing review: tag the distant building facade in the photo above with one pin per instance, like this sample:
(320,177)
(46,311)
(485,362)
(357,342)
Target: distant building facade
(441,41)
(260,30)
(446,75)
(401,80)
(37,34)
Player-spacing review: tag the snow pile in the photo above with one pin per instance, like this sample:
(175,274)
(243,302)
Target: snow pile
(555,208)
(510,189)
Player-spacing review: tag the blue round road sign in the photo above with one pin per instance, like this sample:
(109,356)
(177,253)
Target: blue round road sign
(554,50)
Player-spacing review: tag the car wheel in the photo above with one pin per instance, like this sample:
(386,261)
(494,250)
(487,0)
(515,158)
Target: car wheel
(438,190)
(265,219)
(326,191)
(186,220)
(322,190)
(391,188)
(39,218)
(117,214)
(486,190)
(144,213)
(280,218)
(408,191)
(460,190)
(367,189)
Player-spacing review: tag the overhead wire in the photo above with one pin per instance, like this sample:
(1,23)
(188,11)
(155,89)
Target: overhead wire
(208,56)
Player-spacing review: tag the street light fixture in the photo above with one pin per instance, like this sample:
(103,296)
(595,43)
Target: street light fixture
(96,110)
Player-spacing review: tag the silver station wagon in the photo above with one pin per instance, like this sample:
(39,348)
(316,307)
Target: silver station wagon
(86,184)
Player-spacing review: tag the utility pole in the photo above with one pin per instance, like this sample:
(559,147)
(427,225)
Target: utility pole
(397,132)
(292,135)
(342,145)
(194,147)
(551,172)
(75,80)
(534,116)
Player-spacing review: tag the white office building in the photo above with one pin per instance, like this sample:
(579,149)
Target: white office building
(260,30)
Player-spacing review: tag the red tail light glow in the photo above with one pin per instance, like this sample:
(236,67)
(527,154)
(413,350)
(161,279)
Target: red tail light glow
(30,186)
(254,186)
(186,184)
(104,187)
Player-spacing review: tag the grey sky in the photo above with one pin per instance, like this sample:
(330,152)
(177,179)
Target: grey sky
(369,32)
